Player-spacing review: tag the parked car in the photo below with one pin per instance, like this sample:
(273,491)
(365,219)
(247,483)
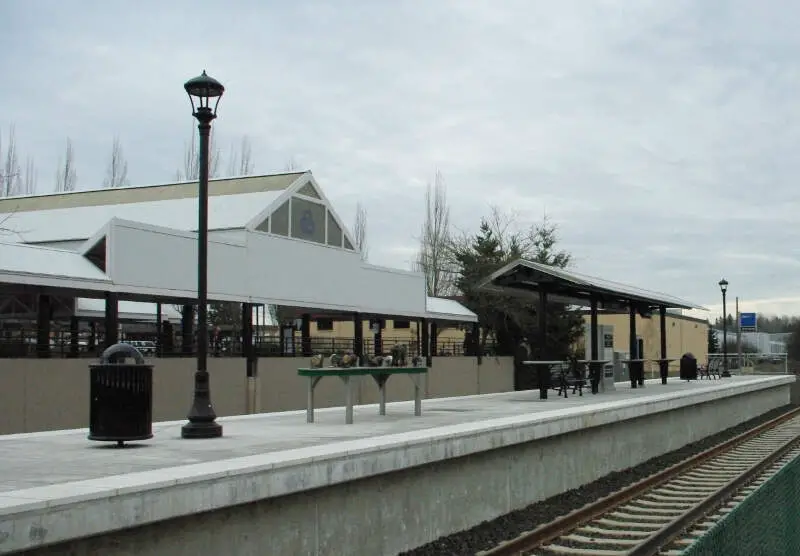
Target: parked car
(145,347)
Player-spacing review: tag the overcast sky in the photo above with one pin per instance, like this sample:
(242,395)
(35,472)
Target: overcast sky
(661,136)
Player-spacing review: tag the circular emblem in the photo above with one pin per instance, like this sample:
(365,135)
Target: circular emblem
(307,225)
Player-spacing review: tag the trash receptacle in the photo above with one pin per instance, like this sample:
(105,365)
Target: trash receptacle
(688,367)
(120,396)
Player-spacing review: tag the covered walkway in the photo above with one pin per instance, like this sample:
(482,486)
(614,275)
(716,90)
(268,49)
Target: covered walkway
(549,284)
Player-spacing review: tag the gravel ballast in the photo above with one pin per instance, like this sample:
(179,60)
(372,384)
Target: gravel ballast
(489,533)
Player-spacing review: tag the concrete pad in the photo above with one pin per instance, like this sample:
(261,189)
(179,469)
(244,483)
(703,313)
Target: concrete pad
(56,486)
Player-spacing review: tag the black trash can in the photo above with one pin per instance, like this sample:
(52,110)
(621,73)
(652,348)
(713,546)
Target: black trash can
(120,397)
(688,367)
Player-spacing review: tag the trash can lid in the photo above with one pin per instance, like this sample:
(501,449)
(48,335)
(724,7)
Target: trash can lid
(112,353)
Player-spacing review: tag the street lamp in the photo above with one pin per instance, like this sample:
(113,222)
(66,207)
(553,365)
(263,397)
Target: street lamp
(723,286)
(202,91)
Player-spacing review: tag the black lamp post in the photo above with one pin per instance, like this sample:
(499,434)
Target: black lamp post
(202,419)
(723,285)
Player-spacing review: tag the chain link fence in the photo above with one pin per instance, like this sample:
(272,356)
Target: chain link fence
(766,523)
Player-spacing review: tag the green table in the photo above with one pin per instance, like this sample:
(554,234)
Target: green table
(381,376)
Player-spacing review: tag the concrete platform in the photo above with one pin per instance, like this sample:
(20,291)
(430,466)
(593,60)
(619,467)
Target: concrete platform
(58,486)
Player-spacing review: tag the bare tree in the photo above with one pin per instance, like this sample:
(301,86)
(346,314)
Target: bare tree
(241,160)
(191,160)
(65,175)
(30,177)
(360,231)
(117,171)
(9,171)
(435,257)
(291,165)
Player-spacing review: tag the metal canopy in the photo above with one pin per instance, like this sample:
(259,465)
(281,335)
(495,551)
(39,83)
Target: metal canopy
(574,288)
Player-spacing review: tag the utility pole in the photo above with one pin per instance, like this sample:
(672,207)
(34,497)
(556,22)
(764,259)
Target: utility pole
(738,335)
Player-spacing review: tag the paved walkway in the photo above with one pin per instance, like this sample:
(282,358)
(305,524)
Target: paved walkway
(51,458)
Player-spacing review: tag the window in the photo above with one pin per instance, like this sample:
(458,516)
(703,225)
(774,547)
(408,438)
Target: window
(280,220)
(97,254)
(309,191)
(308,220)
(402,324)
(264,226)
(324,324)
(334,232)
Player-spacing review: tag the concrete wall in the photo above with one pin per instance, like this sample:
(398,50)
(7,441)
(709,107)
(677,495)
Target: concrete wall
(50,394)
(384,514)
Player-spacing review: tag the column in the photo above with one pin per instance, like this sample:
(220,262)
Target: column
(633,367)
(378,336)
(434,337)
(111,323)
(43,326)
(663,364)
(74,331)
(425,342)
(187,325)
(596,369)
(159,331)
(543,371)
(358,338)
(305,335)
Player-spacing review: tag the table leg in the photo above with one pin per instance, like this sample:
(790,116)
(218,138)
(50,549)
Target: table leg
(348,400)
(312,382)
(381,380)
(664,368)
(543,377)
(417,395)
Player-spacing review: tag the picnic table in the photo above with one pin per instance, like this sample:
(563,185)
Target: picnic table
(379,374)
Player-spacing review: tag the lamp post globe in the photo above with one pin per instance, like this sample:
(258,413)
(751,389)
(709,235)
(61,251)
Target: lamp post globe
(723,286)
(202,91)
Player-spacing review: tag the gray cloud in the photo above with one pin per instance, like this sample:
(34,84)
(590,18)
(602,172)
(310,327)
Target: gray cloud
(659,136)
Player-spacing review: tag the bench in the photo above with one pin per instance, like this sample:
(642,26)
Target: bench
(568,375)
(712,369)
(379,374)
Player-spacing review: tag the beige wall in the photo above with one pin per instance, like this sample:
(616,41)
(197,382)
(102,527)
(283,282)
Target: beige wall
(50,394)
(344,329)
(683,335)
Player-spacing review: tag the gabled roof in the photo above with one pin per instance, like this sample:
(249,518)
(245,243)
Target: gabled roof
(528,275)
(308,189)
(43,266)
(79,215)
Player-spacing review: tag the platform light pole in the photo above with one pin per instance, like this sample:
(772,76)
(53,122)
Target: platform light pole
(723,286)
(202,91)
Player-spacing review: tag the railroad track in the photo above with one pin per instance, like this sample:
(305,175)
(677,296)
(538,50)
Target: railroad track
(665,512)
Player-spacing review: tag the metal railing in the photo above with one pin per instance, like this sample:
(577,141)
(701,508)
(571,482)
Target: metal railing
(23,343)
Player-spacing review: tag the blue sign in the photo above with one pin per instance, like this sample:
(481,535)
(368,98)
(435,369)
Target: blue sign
(747,320)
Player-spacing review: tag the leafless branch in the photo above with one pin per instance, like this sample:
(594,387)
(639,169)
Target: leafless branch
(435,258)
(241,159)
(290,165)
(9,172)
(65,175)
(117,172)
(360,231)
(30,177)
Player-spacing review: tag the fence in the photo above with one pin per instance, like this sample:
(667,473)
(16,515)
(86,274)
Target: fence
(755,363)
(23,343)
(766,523)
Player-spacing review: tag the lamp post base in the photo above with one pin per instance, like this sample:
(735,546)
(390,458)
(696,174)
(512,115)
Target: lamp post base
(201,429)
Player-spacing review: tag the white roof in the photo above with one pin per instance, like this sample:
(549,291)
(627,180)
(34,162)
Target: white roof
(128,310)
(16,258)
(80,223)
(448,309)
